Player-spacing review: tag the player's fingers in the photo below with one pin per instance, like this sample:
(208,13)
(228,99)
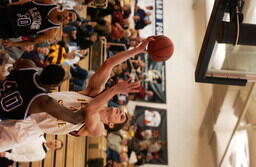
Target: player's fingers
(135,85)
(151,38)
(134,91)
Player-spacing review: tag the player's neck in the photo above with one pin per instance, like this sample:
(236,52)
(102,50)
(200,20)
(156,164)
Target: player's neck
(48,88)
(104,116)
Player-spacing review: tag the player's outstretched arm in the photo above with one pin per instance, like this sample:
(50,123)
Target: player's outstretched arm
(102,99)
(100,77)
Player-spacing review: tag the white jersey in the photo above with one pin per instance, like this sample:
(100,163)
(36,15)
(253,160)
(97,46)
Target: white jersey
(51,125)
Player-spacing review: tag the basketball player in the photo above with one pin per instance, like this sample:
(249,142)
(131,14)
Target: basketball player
(97,116)
(40,17)
(24,91)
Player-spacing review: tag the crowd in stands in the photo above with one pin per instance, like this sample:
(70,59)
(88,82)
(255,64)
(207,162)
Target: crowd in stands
(120,23)
(133,146)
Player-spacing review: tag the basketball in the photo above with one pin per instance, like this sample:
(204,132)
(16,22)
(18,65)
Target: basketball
(161,49)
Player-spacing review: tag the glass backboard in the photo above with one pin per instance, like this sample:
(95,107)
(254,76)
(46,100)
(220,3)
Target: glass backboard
(228,52)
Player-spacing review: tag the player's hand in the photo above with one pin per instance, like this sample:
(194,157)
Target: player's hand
(7,43)
(143,45)
(126,87)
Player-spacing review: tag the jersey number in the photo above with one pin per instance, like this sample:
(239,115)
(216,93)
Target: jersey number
(23,20)
(11,98)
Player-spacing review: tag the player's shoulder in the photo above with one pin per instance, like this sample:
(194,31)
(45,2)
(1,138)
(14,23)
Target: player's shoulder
(24,63)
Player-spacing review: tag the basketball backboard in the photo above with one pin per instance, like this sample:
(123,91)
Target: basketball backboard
(228,52)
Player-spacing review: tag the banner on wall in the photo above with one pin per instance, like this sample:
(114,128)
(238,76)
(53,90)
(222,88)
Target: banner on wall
(154,71)
(157,12)
(150,136)
(159,26)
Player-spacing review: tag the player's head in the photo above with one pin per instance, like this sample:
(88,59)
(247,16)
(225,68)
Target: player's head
(55,144)
(69,15)
(117,119)
(52,75)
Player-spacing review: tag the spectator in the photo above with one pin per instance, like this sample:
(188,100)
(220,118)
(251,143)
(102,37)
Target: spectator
(38,54)
(34,150)
(56,54)
(141,18)
(46,19)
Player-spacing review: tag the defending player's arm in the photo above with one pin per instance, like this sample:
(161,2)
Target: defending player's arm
(42,37)
(52,107)
(98,80)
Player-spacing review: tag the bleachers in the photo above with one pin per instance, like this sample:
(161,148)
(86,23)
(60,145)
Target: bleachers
(96,147)
(98,53)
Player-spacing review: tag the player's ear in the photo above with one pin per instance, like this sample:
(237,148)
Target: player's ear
(111,125)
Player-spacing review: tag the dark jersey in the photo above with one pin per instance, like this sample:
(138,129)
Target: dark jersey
(17,92)
(30,18)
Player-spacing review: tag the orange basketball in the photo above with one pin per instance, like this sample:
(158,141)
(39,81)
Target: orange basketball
(161,48)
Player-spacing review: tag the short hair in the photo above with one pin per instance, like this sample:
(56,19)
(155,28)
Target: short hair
(117,126)
(52,74)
